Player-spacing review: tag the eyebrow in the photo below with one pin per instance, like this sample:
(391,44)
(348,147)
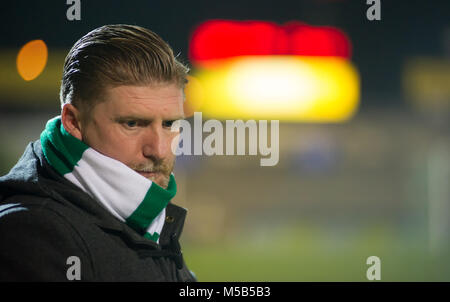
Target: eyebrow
(143,120)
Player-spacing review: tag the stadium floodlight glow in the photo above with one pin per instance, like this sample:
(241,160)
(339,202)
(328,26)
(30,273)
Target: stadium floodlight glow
(289,88)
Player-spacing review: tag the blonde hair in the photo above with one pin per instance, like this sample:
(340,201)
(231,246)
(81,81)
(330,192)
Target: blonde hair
(114,55)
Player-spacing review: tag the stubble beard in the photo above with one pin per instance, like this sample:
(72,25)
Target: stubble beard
(164,168)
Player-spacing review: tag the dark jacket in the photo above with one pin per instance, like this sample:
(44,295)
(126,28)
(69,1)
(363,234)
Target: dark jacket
(45,219)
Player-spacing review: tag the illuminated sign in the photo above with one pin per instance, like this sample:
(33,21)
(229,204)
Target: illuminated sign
(252,69)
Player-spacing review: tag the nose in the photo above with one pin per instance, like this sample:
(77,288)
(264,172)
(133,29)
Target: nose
(155,142)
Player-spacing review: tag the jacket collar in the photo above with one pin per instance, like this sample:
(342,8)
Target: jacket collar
(173,226)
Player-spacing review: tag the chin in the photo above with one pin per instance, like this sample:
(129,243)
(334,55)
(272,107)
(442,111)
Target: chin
(163,183)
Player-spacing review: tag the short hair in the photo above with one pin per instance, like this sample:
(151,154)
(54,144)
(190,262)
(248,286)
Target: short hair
(115,55)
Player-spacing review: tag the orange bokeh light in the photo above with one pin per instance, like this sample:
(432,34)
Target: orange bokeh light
(32,59)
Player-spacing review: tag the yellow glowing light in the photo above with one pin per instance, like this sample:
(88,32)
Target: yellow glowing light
(295,88)
(32,59)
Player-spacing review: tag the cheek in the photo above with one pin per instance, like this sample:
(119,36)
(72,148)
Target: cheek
(171,139)
(115,145)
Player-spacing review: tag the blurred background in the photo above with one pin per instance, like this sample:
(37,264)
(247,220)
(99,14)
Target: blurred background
(364,173)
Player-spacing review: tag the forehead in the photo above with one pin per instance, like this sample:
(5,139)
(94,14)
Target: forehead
(160,99)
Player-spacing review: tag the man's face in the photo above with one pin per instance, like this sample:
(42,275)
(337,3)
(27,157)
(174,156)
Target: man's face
(133,125)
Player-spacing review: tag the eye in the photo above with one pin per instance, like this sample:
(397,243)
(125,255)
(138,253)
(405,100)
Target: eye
(168,124)
(131,124)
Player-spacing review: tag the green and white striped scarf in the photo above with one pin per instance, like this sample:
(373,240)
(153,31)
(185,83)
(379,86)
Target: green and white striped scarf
(126,194)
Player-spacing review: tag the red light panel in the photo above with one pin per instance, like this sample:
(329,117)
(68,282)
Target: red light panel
(219,39)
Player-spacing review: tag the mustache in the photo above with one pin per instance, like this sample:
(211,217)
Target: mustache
(159,167)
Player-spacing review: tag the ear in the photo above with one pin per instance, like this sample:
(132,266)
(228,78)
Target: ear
(71,120)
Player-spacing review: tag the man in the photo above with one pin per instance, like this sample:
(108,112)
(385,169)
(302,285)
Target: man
(90,200)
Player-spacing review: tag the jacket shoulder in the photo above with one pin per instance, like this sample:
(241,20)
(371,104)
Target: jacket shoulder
(37,241)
